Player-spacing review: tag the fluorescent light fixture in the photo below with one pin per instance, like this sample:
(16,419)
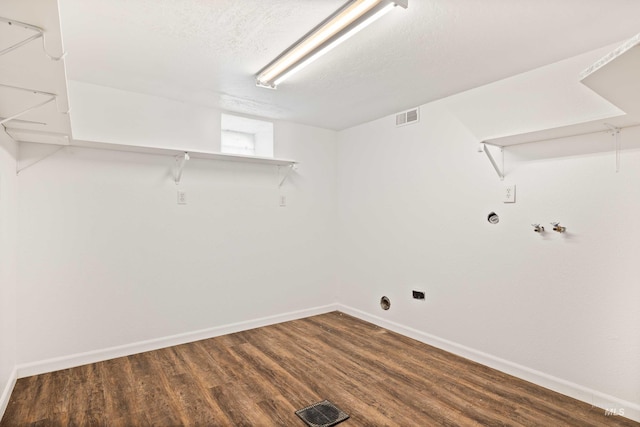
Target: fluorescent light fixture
(342,24)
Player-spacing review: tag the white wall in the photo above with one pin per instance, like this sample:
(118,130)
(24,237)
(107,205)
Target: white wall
(105,114)
(107,258)
(412,206)
(8,238)
(544,98)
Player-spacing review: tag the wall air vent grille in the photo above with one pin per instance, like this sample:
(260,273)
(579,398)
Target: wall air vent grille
(407,117)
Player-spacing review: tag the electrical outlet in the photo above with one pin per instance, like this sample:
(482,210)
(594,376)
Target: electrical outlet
(182,197)
(283,201)
(509,194)
(418,295)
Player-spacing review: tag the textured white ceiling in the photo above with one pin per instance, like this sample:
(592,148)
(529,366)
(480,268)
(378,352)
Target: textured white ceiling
(208,51)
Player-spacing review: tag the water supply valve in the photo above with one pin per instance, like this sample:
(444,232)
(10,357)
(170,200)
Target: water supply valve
(538,228)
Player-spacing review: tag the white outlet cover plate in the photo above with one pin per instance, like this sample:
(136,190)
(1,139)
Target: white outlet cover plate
(509,195)
(182,197)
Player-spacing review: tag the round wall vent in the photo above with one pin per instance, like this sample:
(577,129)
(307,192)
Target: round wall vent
(385,303)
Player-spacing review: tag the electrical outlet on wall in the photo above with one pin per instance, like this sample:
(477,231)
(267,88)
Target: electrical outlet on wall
(282,199)
(182,197)
(509,195)
(419,295)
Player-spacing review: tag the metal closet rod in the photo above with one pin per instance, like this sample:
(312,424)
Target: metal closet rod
(39,34)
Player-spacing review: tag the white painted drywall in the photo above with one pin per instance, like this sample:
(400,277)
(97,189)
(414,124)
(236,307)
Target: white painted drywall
(108,258)
(8,238)
(412,206)
(543,98)
(106,114)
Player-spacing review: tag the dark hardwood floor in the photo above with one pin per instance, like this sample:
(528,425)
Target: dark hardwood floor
(260,377)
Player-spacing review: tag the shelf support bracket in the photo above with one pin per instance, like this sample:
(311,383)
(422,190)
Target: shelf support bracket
(39,34)
(14,116)
(18,170)
(290,168)
(179,166)
(614,131)
(46,156)
(498,169)
(51,97)
(30,122)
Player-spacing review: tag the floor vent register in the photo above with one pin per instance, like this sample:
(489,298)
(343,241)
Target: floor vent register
(322,414)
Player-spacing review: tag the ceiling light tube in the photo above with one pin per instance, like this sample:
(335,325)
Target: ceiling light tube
(342,24)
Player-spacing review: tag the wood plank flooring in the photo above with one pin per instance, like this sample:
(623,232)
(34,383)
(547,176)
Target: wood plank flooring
(261,376)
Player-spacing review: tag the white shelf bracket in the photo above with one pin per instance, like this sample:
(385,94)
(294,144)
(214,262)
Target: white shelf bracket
(179,166)
(499,170)
(14,116)
(615,132)
(39,34)
(51,98)
(30,122)
(46,156)
(290,168)
(18,170)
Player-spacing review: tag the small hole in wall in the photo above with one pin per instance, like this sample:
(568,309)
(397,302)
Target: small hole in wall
(385,303)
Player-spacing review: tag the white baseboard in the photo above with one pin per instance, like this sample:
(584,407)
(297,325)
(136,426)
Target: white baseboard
(73,360)
(6,392)
(595,398)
